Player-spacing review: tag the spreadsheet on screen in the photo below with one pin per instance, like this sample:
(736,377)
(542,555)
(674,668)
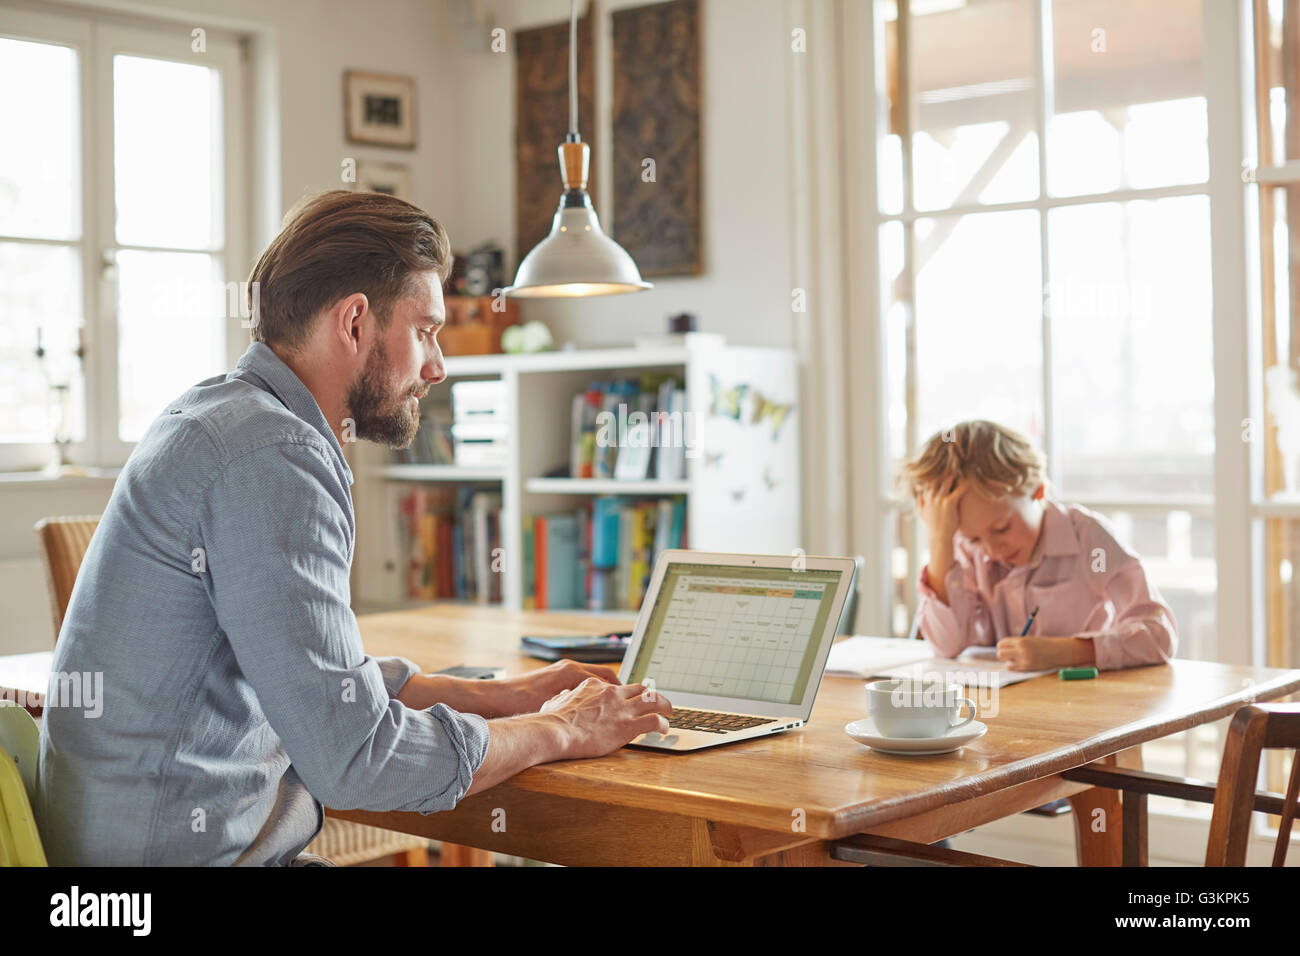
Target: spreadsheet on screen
(747,633)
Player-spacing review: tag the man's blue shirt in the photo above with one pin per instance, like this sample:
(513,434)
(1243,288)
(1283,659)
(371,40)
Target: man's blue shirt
(236,695)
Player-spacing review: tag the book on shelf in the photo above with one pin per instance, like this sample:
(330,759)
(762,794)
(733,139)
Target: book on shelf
(451,538)
(629,429)
(600,555)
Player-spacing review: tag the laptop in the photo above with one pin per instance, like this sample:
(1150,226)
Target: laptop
(737,642)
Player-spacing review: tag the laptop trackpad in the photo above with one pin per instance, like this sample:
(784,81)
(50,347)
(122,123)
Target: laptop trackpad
(658,739)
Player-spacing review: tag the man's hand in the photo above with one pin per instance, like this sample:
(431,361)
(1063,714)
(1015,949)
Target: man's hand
(589,720)
(526,693)
(1045,653)
(506,697)
(599,717)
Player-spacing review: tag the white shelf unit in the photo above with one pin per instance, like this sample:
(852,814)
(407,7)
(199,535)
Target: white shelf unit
(742,468)
(605,486)
(454,473)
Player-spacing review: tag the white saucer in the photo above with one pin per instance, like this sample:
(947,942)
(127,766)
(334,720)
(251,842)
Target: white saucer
(865,732)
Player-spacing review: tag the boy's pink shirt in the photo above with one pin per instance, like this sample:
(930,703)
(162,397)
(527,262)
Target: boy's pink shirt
(1084,583)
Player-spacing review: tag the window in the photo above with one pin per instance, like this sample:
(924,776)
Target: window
(119,224)
(1044,204)
(1276,442)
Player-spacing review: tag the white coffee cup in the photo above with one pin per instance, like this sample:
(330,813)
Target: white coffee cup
(906,707)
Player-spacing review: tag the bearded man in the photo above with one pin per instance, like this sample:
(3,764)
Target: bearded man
(214,596)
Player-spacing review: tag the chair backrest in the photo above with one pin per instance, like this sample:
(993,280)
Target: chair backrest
(1255,728)
(20,738)
(63,545)
(849,616)
(20,842)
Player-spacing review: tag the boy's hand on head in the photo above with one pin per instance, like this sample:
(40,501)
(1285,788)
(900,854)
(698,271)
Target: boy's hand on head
(938,508)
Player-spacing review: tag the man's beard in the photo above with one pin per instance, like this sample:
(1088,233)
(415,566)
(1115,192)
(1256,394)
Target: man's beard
(380,416)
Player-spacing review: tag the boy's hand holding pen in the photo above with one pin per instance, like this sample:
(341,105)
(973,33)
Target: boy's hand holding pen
(1026,653)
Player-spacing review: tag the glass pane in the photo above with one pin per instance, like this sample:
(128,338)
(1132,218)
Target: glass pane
(1284,199)
(975,139)
(1284,81)
(171,331)
(1281,357)
(1279,556)
(1130,96)
(979,321)
(167,153)
(1132,346)
(889,173)
(892,257)
(902,573)
(40,184)
(1177,551)
(43,398)
(1281,559)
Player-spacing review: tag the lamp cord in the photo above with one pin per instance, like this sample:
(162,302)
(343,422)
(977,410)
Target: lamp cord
(573,69)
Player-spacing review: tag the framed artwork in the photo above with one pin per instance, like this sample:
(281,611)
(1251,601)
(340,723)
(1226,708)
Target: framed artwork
(392,179)
(542,121)
(656,125)
(379,109)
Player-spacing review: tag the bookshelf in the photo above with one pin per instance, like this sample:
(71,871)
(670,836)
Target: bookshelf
(742,488)
(455,473)
(606,486)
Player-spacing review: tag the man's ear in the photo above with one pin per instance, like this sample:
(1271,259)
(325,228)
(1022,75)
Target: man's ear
(349,321)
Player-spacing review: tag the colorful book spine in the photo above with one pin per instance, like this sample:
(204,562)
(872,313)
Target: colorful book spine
(600,556)
(561,560)
(539,561)
(529,592)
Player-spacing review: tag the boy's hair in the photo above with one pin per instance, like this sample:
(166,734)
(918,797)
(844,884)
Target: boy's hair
(336,243)
(1000,461)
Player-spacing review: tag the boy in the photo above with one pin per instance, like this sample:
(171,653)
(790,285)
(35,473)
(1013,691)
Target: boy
(999,548)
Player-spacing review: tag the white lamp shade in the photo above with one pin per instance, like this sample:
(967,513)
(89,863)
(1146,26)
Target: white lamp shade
(576,259)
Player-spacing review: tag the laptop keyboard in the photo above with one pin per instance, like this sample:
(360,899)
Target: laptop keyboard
(712,722)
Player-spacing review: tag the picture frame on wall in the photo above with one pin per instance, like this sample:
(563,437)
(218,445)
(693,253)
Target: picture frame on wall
(391,179)
(379,109)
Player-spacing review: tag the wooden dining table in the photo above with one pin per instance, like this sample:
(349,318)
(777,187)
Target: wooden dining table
(787,799)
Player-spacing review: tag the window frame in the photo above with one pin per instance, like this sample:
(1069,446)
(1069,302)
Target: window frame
(96,39)
(1222,65)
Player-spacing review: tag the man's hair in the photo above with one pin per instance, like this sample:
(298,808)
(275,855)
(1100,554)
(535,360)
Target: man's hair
(998,460)
(334,244)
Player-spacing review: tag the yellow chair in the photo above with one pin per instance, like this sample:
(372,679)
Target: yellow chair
(63,542)
(20,842)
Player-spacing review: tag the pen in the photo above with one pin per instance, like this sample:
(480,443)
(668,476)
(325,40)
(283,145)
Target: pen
(1029,623)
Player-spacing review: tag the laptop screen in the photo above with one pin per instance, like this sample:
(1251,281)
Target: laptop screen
(725,631)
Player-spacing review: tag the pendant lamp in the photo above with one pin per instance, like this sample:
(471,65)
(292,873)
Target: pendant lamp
(577,258)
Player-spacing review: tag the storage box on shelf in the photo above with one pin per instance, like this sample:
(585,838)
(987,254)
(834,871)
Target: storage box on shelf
(480,423)
(738,490)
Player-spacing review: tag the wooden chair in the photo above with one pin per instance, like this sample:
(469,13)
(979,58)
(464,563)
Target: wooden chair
(63,544)
(887,851)
(1254,728)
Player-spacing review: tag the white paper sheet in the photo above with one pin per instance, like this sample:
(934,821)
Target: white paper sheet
(862,656)
(865,656)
